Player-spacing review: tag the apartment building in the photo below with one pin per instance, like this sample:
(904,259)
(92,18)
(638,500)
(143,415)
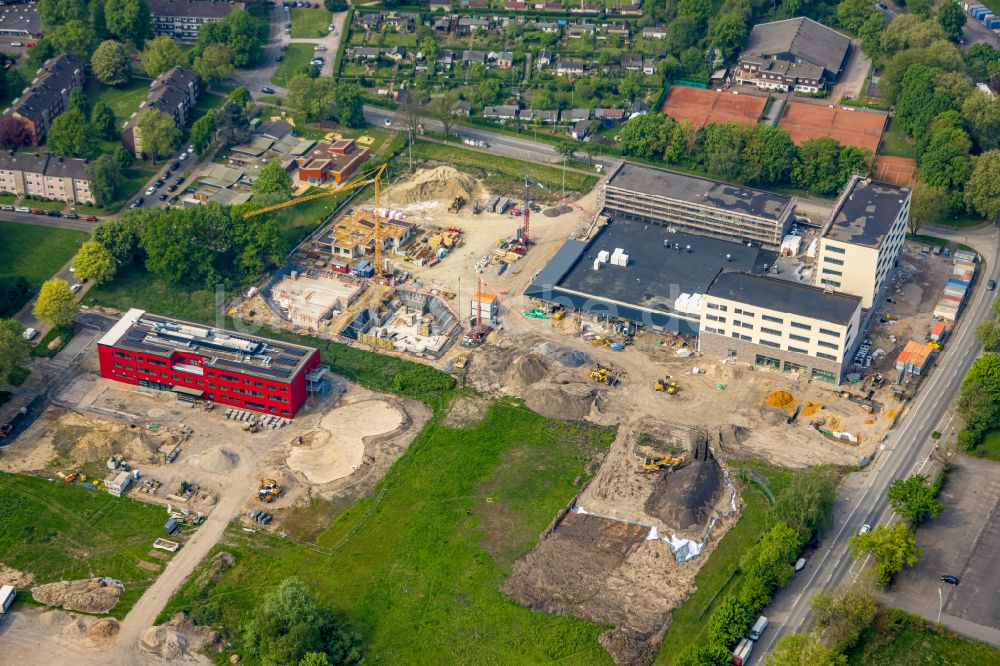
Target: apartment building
(182,19)
(697,205)
(861,240)
(45,175)
(47,96)
(794,54)
(779,324)
(175,92)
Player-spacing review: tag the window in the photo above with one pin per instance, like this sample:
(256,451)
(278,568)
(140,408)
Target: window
(737,322)
(773,320)
(284,389)
(253,405)
(799,338)
(129,367)
(117,364)
(736,335)
(793,367)
(747,324)
(835,249)
(832,283)
(828,345)
(176,378)
(747,313)
(797,350)
(830,271)
(211,385)
(767,361)
(770,331)
(198,382)
(746,337)
(712,317)
(285,411)
(709,329)
(768,343)
(826,331)
(835,262)
(804,327)
(829,357)
(713,306)
(118,354)
(259,384)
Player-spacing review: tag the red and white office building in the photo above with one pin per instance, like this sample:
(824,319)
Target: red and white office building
(201,363)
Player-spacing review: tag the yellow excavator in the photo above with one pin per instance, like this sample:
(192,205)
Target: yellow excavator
(656,463)
(603,375)
(667,385)
(269,491)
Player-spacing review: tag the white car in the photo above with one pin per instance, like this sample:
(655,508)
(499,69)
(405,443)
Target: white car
(183,156)
(23,209)
(29,333)
(7,207)
(75,288)
(865,529)
(331,27)
(319,47)
(150,190)
(388,122)
(16,44)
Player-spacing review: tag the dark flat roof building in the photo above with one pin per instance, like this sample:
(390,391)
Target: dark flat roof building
(866,212)
(20,21)
(785,296)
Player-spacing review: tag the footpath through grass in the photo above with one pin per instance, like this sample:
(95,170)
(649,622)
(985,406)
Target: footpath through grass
(898,637)
(36,252)
(417,568)
(720,573)
(63,532)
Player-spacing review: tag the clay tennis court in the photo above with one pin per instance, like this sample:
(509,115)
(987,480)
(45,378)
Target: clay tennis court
(896,170)
(850,128)
(702,107)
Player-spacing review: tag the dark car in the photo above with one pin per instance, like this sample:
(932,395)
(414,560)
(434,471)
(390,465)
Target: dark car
(266,90)
(72,216)
(53,213)
(175,166)
(991,285)
(178,180)
(951,580)
(163,197)
(277,58)
(159,182)
(172,188)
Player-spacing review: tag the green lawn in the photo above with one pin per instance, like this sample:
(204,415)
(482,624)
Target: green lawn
(123,100)
(989,448)
(7,197)
(63,532)
(309,23)
(36,252)
(135,288)
(503,170)
(417,568)
(719,574)
(296,57)
(43,205)
(900,638)
(896,143)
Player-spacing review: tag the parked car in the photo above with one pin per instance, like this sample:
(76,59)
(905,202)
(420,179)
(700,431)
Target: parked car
(158,183)
(23,209)
(150,190)
(72,216)
(277,58)
(319,47)
(29,333)
(37,211)
(284,47)
(951,580)
(183,156)
(991,284)
(91,218)
(388,122)
(865,529)
(75,288)
(175,166)
(16,44)
(163,197)
(53,213)
(7,207)
(331,27)
(267,91)
(178,180)
(172,188)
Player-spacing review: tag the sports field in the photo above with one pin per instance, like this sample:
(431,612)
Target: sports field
(896,170)
(849,127)
(702,107)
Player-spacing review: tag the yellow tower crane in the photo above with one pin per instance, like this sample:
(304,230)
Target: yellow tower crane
(371,177)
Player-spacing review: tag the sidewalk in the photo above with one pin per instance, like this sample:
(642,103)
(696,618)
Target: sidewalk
(971,630)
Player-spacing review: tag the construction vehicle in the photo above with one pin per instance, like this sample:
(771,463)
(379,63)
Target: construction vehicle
(667,385)
(657,463)
(558,312)
(268,491)
(456,205)
(603,375)
(250,427)
(372,176)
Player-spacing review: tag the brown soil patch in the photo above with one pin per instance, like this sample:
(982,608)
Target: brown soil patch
(92,632)
(443,182)
(686,498)
(702,106)
(90,595)
(149,566)
(465,412)
(159,554)
(9,576)
(179,636)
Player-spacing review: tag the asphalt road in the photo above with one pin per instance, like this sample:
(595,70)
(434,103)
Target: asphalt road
(79,224)
(905,451)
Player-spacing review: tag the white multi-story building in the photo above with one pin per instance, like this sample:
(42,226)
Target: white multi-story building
(182,19)
(45,175)
(861,240)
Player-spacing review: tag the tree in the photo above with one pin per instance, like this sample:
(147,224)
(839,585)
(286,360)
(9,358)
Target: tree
(566,150)
(94,262)
(78,100)
(771,560)
(13,133)
(929,205)
(727,32)
(816,168)
(728,621)
(315,659)
(128,19)
(238,31)
(909,31)
(120,236)
(202,132)
(350,107)
(982,191)
(231,125)
(313,97)
(443,107)
(979,397)
(489,92)
(335,5)
(803,650)
(14,293)
(411,111)
(74,37)
(941,53)
(852,14)
(161,54)
(290,623)
(14,349)
(914,499)
(699,10)
(123,157)
(273,180)
(893,549)
(981,111)
(104,121)
(980,58)
(55,12)
(241,96)
(843,614)
(106,179)
(111,63)
(214,64)
(988,335)
(158,133)
(946,161)
(56,304)
(806,505)
(951,18)
(72,135)
(768,155)
(711,654)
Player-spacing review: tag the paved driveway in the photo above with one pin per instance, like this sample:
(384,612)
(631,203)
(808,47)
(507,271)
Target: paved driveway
(852,80)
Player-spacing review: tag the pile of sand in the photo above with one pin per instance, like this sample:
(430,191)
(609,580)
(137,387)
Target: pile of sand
(90,595)
(179,636)
(131,442)
(444,183)
(781,399)
(810,408)
(527,370)
(219,461)
(572,401)
(90,631)
(685,498)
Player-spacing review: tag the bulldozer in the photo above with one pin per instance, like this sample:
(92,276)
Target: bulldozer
(268,491)
(667,385)
(603,375)
(657,463)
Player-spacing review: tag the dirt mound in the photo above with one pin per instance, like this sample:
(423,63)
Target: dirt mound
(556,211)
(90,595)
(782,399)
(9,576)
(465,412)
(219,460)
(686,497)
(444,183)
(179,636)
(572,359)
(213,572)
(731,436)
(130,442)
(562,401)
(89,631)
(527,370)
(810,409)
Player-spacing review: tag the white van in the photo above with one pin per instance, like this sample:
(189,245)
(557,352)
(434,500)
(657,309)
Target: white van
(758,628)
(741,655)
(7,594)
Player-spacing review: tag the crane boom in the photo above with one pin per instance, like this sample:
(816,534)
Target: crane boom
(372,176)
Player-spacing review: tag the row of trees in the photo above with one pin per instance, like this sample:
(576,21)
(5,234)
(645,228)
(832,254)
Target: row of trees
(753,154)
(979,399)
(324,99)
(77,27)
(799,514)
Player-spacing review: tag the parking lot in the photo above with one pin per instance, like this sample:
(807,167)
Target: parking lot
(963,541)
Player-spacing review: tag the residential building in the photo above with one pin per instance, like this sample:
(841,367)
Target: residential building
(861,240)
(574,115)
(182,19)
(439,6)
(570,67)
(468,24)
(631,62)
(543,59)
(396,53)
(20,21)
(175,92)
(197,362)
(580,30)
(503,59)
(504,112)
(45,175)
(609,117)
(697,205)
(330,162)
(47,96)
(580,130)
(541,115)
(780,324)
(814,48)
(654,32)
(470,57)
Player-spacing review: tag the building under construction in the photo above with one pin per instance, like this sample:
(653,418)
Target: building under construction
(310,300)
(353,235)
(410,321)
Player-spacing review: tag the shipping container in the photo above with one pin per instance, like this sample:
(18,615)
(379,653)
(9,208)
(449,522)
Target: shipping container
(7,594)
(339,267)
(993,22)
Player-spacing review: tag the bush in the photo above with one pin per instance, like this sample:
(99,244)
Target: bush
(729,621)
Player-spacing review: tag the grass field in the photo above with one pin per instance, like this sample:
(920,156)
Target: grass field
(61,532)
(134,287)
(417,568)
(309,23)
(43,205)
(123,100)
(296,57)
(503,171)
(896,143)
(36,252)
(989,448)
(900,638)
(719,574)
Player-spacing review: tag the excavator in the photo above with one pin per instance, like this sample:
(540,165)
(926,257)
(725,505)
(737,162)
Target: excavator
(667,385)
(603,375)
(656,463)
(268,491)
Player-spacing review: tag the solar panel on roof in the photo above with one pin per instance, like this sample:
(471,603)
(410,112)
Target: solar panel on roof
(273,372)
(231,364)
(286,360)
(296,352)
